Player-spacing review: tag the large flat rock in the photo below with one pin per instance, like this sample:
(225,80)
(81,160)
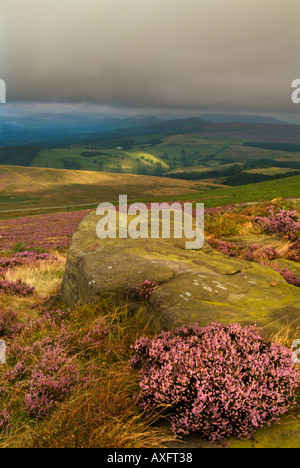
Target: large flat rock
(193,286)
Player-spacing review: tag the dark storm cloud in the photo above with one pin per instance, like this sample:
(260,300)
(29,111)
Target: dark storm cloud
(237,54)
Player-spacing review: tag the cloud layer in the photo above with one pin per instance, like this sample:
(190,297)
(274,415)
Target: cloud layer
(189,54)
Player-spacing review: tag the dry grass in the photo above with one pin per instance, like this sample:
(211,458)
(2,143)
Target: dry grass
(45,277)
(41,186)
(246,229)
(282,247)
(100,415)
(286,335)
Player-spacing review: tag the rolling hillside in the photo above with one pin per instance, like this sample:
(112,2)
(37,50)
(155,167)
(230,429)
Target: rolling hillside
(31,188)
(229,154)
(157,155)
(260,192)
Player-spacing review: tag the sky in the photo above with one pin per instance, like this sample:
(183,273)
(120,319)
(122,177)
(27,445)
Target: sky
(237,56)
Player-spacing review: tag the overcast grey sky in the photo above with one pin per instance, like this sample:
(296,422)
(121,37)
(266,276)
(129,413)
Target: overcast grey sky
(232,55)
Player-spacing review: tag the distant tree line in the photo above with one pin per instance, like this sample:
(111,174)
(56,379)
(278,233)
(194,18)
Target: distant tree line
(71,164)
(232,177)
(289,147)
(18,155)
(244,178)
(205,175)
(265,163)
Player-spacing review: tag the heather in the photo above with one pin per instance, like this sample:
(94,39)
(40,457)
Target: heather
(289,277)
(229,230)
(24,258)
(50,382)
(46,232)
(219,381)
(145,290)
(9,323)
(282,222)
(18,288)
(226,248)
(25,272)
(68,381)
(4,419)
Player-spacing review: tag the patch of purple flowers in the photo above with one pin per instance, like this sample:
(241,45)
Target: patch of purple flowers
(250,253)
(9,324)
(57,316)
(52,380)
(18,288)
(219,381)
(145,289)
(226,248)
(22,258)
(289,277)
(283,222)
(258,254)
(96,336)
(5,417)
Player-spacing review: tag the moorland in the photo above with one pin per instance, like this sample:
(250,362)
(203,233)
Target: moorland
(67,381)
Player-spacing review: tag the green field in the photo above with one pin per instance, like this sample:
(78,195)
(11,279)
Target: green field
(218,169)
(264,191)
(270,170)
(161,155)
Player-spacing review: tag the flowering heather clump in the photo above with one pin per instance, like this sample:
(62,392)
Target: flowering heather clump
(293,256)
(96,336)
(57,316)
(284,222)
(145,289)
(294,251)
(18,288)
(296,245)
(45,232)
(17,372)
(8,323)
(4,419)
(289,277)
(226,248)
(51,381)
(267,253)
(24,258)
(219,381)
(249,254)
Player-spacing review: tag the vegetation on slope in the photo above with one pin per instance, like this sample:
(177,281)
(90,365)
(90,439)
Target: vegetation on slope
(264,191)
(23,187)
(67,381)
(18,155)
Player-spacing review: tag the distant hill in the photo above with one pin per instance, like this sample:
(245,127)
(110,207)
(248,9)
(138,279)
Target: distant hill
(48,129)
(241,118)
(26,188)
(283,133)
(54,130)
(261,132)
(177,125)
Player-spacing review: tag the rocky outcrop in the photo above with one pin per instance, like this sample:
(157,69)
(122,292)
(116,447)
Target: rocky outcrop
(193,286)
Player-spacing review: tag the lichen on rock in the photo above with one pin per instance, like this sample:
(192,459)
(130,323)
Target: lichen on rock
(193,285)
